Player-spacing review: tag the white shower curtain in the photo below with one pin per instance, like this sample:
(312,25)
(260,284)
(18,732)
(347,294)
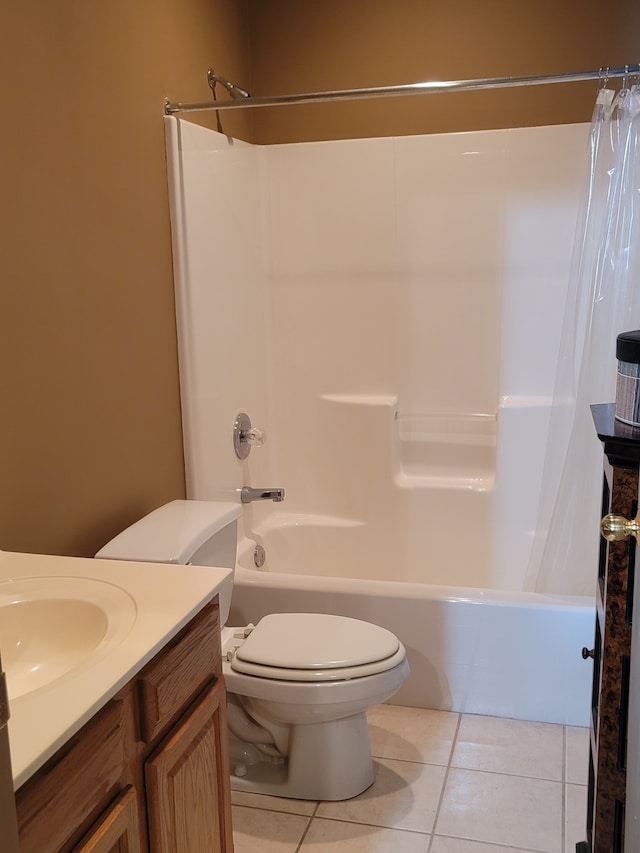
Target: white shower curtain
(603,300)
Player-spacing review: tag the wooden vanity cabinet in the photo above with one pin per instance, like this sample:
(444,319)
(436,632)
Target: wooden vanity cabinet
(150,772)
(78,785)
(186,762)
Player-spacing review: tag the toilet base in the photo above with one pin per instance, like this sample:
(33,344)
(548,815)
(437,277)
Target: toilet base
(326,761)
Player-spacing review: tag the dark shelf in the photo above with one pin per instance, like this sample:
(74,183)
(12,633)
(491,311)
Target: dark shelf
(621,441)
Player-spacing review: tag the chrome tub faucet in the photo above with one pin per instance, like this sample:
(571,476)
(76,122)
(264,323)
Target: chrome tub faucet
(248,494)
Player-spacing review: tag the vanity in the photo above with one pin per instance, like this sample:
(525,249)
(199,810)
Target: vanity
(118,739)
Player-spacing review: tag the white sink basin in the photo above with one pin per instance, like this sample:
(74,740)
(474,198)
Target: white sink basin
(74,631)
(53,626)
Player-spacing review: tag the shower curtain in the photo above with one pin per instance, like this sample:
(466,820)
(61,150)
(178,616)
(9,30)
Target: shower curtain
(603,300)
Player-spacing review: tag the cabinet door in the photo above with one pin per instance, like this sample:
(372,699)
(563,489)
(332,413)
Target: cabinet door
(117,831)
(187,782)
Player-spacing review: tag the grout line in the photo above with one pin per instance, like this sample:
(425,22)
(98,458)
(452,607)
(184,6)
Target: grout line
(499,845)
(267,808)
(354,822)
(444,783)
(306,830)
(563,839)
(410,761)
(454,739)
(506,773)
(476,770)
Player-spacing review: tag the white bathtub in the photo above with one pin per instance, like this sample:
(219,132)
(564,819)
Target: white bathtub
(508,654)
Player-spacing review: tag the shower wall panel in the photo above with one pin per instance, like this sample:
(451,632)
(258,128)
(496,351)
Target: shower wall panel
(219,261)
(546,173)
(378,306)
(429,268)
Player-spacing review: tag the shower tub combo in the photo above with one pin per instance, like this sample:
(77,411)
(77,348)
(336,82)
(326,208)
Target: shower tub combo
(414,508)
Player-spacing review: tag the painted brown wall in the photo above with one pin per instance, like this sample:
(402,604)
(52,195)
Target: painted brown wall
(299,46)
(90,434)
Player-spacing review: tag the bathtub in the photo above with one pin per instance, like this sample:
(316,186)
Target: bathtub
(508,654)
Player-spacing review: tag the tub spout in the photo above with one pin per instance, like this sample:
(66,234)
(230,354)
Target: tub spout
(247,494)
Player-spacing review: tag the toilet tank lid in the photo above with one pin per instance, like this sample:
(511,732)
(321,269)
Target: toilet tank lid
(172,533)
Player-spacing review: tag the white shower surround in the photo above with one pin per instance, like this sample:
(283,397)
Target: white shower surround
(386,309)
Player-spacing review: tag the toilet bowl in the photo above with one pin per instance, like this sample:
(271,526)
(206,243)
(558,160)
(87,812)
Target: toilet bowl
(298,684)
(307,679)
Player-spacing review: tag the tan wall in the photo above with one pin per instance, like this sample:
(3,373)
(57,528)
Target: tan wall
(90,434)
(90,431)
(297,46)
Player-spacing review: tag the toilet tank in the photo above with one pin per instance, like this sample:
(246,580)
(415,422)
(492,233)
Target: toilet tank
(200,533)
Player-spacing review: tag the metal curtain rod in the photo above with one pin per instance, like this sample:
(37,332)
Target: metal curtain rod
(428,87)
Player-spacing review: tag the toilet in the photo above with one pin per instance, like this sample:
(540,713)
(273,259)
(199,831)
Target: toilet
(298,684)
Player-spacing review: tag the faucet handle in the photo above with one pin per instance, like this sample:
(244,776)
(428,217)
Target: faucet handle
(245,436)
(254,437)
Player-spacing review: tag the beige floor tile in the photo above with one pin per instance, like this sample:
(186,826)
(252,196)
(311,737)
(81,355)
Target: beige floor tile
(577,755)
(509,746)
(274,804)
(575,822)
(334,836)
(412,734)
(268,832)
(404,795)
(502,809)
(461,845)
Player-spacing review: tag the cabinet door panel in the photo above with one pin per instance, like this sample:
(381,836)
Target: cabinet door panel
(187,782)
(117,831)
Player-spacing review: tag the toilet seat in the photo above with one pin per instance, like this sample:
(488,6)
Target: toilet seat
(316,647)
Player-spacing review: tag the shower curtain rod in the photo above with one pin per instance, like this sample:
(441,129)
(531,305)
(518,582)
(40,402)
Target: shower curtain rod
(427,87)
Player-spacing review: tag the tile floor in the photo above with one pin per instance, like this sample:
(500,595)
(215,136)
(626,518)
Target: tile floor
(444,783)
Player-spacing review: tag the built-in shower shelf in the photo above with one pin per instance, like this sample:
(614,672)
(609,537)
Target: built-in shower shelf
(447,450)
(445,481)
(388,401)
(438,450)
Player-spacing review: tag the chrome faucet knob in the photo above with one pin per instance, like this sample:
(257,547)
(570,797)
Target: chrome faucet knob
(245,436)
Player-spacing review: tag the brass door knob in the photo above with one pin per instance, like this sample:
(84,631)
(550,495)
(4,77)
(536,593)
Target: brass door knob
(614,528)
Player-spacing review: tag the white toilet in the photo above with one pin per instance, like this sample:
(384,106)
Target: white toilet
(298,684)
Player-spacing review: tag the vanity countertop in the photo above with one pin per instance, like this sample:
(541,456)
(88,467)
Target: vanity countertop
(150,603)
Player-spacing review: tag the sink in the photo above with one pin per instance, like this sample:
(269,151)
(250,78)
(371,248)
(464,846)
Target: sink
(53,626)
